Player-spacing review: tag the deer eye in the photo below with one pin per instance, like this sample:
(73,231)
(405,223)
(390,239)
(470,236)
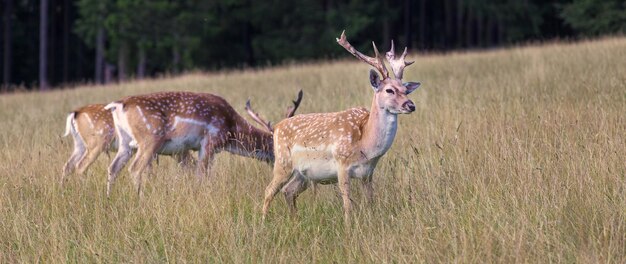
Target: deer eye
(389,91)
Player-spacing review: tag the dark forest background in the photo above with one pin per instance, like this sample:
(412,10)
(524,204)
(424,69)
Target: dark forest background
(49,43)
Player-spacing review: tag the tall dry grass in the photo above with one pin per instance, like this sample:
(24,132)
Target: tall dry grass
(514,155)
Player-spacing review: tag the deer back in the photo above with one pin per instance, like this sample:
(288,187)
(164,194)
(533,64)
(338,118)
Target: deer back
(339,132)
(93,122)
(172,113)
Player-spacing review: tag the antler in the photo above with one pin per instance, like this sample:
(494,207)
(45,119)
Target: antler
(292,109)
(266,125)
(376,62)
(397,65)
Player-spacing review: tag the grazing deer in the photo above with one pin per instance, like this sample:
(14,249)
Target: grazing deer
(173,122)
(334,147)
(93,132)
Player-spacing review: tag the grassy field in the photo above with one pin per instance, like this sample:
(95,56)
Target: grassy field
(515,155)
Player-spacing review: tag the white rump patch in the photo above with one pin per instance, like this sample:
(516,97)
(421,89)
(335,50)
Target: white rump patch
(69,124)
(121,122)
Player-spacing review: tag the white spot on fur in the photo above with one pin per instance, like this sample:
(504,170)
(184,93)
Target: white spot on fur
(90,121)
(143,117)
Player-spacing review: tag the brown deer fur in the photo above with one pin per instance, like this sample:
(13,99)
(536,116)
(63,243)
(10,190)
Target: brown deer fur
(93,132)
(335,147)
(172,122)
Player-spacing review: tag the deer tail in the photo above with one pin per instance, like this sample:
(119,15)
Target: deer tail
(69,123)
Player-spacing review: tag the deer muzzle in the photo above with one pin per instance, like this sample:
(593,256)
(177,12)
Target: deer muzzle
(409,106)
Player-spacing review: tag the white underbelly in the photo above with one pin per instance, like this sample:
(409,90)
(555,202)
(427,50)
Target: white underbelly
(180,144)
(191,138)
(317,170)
(317,164)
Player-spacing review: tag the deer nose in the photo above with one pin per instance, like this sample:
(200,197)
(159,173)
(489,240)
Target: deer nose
(409,105)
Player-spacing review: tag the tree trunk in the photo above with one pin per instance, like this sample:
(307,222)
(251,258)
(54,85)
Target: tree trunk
(422,25)
(247,37)
(122,58)
(408,36)
(99,55)
(328,5)
(79,59)
(248,44)
(176,60)
(108,72)
(459,23)
(141,64)
(176,55)
(499,32)
(385,21)
(8,40)
(43,45)
(52,42)
(489,31)
(66,40)
(479,31)
(448,8)
(469,28)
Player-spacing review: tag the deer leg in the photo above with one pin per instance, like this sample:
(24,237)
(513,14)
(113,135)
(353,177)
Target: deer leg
(121,158)
(145,155)
(282,174)
(295,187)
(314,186)
(204,164)
(369,190)
(185,159)
(150,167)
(343,181)
(205,159)
(70,165)
(92,154)
(79,151)
(124,152)
(154,156)
(133,163)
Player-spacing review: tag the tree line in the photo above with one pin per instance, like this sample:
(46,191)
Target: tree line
(53,42)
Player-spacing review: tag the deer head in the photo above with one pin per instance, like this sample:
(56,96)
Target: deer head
(390,94)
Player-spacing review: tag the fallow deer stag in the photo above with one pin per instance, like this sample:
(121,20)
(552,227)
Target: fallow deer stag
(335,147)
(172,122)
(92,130)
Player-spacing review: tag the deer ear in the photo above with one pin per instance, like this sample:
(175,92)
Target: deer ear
(374,80)
(411,86)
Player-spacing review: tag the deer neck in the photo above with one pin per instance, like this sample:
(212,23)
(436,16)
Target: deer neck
(248,141)
(379,131)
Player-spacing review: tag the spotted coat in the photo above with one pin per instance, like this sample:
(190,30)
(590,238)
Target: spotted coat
(172,122)
(93,132)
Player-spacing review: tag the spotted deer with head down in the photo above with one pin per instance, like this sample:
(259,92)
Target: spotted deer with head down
(174,122)
(335,147)
(93,132)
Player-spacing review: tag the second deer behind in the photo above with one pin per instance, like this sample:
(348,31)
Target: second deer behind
(175,122)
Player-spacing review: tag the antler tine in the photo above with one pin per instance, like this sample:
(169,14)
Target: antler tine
(376,62)
(292,109)
(265,124)
(397,65)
